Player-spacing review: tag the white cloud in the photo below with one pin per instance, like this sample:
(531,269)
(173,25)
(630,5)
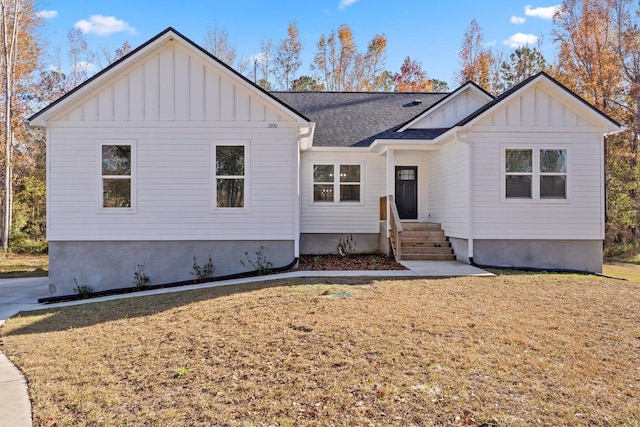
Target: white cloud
(521,39)
(517,20)
(346,3)
(53,68)
(103,25)
(87,67)
(541,12)
(47,14)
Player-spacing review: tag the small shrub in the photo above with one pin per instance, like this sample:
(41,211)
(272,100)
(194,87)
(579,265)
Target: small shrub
(346,245)
(204,272)
(261,265)
(375,260)
(140,277)
(82,290)
(317,259)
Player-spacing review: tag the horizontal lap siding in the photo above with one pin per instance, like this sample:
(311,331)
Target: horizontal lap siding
(579,218)
(173,185)
(343,217)
(448,182)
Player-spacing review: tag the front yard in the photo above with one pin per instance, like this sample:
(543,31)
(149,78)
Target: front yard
(517,349)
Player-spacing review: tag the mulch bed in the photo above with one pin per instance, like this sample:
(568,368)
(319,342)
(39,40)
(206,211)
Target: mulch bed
(349,262)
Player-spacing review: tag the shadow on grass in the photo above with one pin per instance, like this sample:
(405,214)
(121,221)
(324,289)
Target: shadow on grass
(90,314)
(18,274)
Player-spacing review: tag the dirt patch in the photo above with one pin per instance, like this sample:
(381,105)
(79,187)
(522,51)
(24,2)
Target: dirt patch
(350,262)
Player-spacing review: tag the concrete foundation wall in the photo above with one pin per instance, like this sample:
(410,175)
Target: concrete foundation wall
(460,249)
(107,265)
(582,255)
(327,243)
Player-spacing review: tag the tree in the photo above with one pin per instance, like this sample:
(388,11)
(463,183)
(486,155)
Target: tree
(80,58)
(307,84)
(287,57)
(217,43)
(18,58)
(439,85)
(412,78)
(374,62)
(475,58)
(262,69)
(523,63)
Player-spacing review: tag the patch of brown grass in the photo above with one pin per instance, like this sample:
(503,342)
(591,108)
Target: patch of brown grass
(14,265)
(509,350)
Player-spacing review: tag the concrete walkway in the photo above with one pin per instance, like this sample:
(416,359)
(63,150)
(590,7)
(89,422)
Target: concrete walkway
(18,295)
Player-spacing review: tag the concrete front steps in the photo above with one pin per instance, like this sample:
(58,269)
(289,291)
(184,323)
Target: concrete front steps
(424,241)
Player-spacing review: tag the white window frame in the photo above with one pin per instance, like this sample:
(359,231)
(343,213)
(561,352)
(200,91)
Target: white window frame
(133,177)
(336,183)
(214,177)
(535,174)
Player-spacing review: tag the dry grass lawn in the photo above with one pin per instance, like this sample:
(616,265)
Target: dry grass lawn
(12,265)
(521,349)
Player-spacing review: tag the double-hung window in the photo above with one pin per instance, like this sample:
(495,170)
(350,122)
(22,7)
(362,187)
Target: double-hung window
(230,175)
(337,183)
(116,176)
(535,173)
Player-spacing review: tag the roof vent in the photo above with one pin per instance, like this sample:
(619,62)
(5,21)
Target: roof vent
(417,101)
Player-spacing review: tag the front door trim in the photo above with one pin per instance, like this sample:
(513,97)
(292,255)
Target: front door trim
(406,191)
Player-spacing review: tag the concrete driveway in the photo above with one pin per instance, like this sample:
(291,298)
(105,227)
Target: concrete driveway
(21,294)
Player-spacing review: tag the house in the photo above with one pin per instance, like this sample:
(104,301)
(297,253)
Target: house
(169,154)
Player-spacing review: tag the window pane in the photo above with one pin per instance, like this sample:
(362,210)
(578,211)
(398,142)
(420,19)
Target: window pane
(322,173)
(230,193)
(553,187)
(116,193)
(229,160)
(322,193)
(407,175)
(553,161)
(349,173)
(116,160)
(518,161)
(349,193)
(518,186)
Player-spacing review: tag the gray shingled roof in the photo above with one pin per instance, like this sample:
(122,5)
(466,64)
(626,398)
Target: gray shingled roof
(356,119)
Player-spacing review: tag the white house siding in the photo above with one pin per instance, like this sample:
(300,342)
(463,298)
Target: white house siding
(173,183)
(421,160)
(452,110)
(539,117)
(448,188)
(173,103)
(343,217)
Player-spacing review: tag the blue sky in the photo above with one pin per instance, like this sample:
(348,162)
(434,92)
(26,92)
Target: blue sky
(429,31)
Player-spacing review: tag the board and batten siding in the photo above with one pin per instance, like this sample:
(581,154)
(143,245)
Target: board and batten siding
(448,188)
(173,102)
(361,217)
(452,111)
(174,83)
(537,119)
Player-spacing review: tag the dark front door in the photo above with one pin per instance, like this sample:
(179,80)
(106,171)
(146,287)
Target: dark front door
(407,191)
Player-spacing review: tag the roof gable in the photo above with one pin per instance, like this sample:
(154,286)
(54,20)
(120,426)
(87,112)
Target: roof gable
(540,101)
(451,109)
(168,78)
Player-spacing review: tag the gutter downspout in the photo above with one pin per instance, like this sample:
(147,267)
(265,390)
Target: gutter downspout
(307,137)
(467,141)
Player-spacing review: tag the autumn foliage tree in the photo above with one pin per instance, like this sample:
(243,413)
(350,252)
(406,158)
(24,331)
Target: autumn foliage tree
(412,78)
(288,57)
(475,58)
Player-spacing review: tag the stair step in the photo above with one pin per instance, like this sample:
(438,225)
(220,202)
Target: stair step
(405,239)
(421,226)
(422,233)
(427,250)
(426,244)
(428,257)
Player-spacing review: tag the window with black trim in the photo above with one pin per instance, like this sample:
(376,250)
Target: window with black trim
(337,183)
